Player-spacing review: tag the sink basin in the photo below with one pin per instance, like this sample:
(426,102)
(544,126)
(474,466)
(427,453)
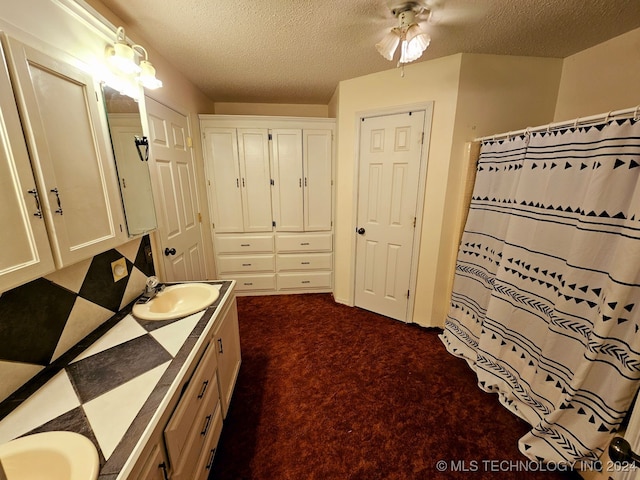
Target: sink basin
(177,301)
(50,456)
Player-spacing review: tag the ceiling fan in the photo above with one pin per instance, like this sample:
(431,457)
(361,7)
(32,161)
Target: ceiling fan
(408,34)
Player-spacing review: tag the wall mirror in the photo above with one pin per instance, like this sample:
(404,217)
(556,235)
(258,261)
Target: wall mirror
(127,140)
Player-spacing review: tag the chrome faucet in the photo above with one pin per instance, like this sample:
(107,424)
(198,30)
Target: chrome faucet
(151,289)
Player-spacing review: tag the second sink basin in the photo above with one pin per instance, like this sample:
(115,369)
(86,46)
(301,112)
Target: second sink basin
(50,455)
(177,301)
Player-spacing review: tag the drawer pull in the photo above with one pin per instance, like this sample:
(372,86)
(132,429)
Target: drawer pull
(163,467)
(245,244)
(306,281)
(304,243)
(206,425)
(305,263)
(248,284)
(211,456)
(246,264)
(205,384)
(220,346)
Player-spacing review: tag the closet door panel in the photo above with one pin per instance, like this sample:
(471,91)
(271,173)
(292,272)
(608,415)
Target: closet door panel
(288,180)
(223,175)
(317,180)
(253,147)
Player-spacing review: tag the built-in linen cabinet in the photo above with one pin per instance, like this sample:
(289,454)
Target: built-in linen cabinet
(283,254)
(61,198)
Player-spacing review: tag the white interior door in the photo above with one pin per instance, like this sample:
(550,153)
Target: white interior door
(389,170)
(177,201)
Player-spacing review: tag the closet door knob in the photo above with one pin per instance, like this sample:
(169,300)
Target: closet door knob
(360,231)
(169,251)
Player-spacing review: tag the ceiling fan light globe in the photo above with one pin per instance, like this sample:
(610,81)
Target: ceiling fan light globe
(415,44)
(387,46)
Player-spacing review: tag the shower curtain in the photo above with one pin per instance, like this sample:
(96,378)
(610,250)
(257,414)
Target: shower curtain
(546,298)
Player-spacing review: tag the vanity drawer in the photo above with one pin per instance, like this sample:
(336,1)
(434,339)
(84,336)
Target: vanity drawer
(244,243)
(206,459)
(246,263)
(304,242)
(304,261)
(296,281)
(246,283)
(199,397)
(208,424)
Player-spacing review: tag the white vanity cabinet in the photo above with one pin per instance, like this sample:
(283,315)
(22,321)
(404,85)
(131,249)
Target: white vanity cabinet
(300,174)
(26,251)
(61,199)
(183,443)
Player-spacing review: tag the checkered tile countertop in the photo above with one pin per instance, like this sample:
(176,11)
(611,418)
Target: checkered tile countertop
(113,386)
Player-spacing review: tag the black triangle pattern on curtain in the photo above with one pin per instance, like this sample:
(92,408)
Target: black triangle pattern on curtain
(546,299)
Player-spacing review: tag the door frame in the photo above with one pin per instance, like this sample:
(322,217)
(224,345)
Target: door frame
(422,182)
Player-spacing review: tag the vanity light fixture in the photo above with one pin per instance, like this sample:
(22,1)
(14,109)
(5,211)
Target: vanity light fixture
(147,76)
(412,39)
(121,54)
(123,58)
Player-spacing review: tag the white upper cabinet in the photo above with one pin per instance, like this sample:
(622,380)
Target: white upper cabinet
(26,253)
(317,154)
(302,176)
(76,179)
(239,179)
(288,178)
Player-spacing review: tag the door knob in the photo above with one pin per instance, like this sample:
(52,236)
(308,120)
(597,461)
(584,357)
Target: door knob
(360,231)
(620,452)
(169,251)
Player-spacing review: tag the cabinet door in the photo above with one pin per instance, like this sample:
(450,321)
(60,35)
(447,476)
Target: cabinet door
(255,182)
(317,148)
(227,343)
(288,179)
(223,174)
(76,178)
(26,253)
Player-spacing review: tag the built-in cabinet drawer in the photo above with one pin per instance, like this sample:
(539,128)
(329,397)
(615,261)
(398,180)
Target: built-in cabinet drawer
(248,283)
(303,242)
(246,263)
(301,281)
(304,261)
(244,244)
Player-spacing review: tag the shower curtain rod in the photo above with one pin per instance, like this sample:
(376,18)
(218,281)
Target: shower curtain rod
(627,112)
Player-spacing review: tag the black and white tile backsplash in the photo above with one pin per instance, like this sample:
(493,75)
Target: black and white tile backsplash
(41,320)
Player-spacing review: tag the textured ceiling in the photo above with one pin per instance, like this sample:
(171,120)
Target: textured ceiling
(296,51)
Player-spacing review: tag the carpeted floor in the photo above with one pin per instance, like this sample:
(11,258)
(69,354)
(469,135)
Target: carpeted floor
(329,392)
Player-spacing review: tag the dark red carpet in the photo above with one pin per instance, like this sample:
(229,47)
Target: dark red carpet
(332,392)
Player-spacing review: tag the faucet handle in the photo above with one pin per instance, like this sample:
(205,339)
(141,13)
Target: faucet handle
(152,282)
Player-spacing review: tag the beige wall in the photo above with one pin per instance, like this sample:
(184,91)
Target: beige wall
(473,95)
(600,79)
(436,81)
(274,109)
(497,93)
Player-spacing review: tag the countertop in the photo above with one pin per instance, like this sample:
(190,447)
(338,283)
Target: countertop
(114,385)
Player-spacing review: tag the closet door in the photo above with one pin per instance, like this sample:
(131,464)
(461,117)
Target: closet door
(223,175)
(317,156)
(76,178)
(288,180)
(255,181)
